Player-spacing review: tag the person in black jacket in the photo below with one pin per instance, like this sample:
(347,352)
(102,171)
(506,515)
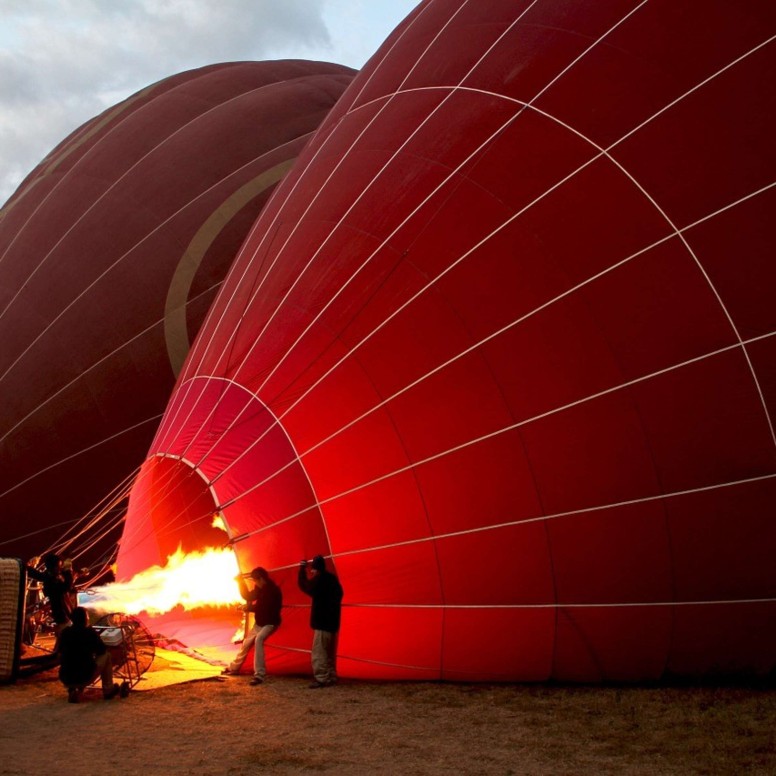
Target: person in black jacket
(83,657)
(265,601)
(326,591)
(58,583)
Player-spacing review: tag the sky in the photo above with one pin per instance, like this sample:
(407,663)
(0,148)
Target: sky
(63,62)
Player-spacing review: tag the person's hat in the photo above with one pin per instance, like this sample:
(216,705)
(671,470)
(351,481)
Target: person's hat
(50,560)
(259,573)
(319,564)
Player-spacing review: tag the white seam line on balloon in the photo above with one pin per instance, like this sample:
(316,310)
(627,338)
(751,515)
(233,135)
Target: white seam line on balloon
(118,180)
(320,503)
(235,284)
(168,484)
(471,70)
(14,539)
(185,510)
(451,92)
(525,421)
(364,264)
(104,505)
(83,450)
(158,493)
(197,354)
(705,218)
(110,268)
(713,288)
(131,540)
(77,550)
(318,192)
(488,436)
(541,307)
(560,515)
(93,366)
(485,438)
(603,153)
(661,111)
(681,97)
(164,487)
(135,534)
(299,179)
(84,129)
(398,40)
(468,350)
(692,253)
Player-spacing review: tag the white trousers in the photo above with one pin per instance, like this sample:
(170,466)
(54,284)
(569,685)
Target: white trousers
(324,657)
(257,635)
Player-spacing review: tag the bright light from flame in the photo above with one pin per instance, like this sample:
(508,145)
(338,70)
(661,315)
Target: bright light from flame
(194,579)
(218,522)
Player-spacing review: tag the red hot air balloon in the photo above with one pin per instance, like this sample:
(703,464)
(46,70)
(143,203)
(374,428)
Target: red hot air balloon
(502,347)
(110,255)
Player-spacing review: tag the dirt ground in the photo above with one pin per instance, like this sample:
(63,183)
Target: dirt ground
(225,726)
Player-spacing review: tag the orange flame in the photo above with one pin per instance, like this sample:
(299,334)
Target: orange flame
(191,580)
(218,522)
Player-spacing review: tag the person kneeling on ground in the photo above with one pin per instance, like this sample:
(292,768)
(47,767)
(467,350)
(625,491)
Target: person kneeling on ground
(84,657)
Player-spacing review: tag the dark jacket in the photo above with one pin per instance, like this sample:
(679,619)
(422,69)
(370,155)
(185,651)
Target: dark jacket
(265,602)
(326,591)
(57,588)
(78,648)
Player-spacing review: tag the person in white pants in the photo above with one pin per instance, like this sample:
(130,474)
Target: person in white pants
(326,591)
(265,600)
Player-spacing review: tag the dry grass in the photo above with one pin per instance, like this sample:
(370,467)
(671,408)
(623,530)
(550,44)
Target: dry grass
(226,726)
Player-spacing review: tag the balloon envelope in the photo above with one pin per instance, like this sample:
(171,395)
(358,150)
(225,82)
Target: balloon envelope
(501,347)
(110,254)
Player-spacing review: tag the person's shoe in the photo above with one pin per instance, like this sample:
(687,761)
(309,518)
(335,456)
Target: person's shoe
(257,680)
(112,693)
(73,695)
(316,685)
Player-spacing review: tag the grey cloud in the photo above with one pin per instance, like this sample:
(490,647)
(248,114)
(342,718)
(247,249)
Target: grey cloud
(71,59)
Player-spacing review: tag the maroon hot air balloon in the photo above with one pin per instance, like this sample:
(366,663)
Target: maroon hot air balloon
(110,254)
(502,347)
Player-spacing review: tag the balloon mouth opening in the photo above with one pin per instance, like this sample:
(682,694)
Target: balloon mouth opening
(178,508)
